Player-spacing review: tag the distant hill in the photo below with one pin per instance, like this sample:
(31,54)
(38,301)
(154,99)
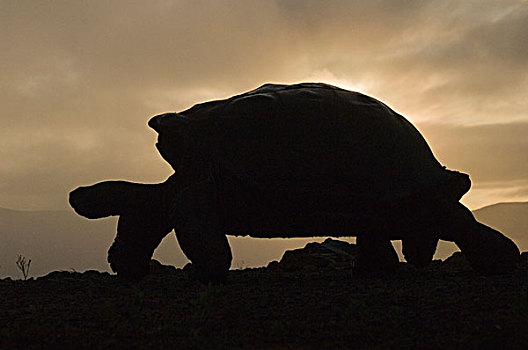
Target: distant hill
(62,240)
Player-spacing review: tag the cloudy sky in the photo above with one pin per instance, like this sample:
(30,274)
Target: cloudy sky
(80,79)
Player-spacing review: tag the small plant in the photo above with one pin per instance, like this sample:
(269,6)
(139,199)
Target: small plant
(23,265)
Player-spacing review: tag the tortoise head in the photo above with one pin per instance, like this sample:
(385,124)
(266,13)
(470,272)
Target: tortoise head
(491,253)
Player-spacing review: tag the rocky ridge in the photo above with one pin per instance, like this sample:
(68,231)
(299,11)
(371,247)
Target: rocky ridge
(319,303)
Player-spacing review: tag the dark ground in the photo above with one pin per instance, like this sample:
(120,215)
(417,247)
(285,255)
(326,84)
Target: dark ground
(444,306)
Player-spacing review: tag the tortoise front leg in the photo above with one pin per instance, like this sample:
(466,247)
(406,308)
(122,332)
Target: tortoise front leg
(375,255)
(419,248)
(200,232)
(488,250)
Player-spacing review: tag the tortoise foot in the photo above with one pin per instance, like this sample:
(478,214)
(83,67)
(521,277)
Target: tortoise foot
(375,256)
(419,250)
(128,262)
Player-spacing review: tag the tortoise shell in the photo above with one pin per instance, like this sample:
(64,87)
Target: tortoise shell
(308,138)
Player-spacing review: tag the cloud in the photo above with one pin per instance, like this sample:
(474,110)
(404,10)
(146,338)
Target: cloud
(491,153)
(80,79)
(439,47)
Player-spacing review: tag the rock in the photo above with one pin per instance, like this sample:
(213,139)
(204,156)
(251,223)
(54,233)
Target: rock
(273,264)
(158,268)
(458,260)
(524,259)
(330,253)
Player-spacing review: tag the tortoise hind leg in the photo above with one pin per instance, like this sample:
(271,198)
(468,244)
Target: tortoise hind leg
(200,233)
(375,255)
(114,198)
(137,238)
(142,224)
(488,251)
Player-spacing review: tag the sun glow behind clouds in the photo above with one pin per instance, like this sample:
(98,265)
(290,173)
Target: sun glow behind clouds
(81,79)
(326,76)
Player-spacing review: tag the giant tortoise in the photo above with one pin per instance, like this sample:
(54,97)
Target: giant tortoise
(297,160)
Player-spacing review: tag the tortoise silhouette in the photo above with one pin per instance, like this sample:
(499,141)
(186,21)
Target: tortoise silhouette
(297,160)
